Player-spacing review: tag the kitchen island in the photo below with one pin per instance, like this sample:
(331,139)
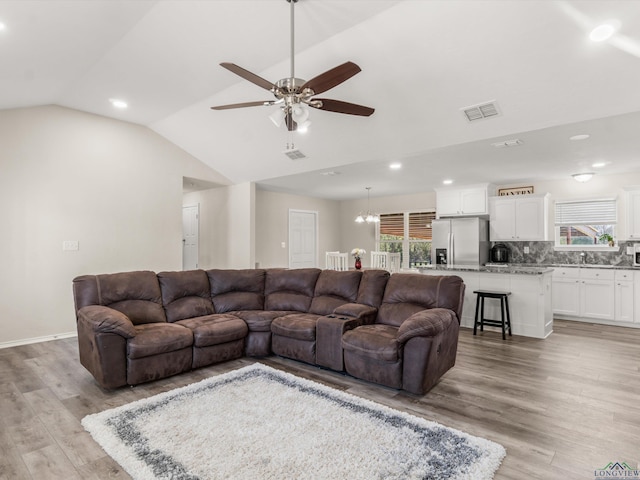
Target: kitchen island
(530,301)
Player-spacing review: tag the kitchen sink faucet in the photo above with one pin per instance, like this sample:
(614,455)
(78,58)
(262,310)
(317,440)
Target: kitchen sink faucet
(583,257)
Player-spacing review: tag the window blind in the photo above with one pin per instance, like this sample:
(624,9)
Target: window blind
(420,225)
(586,212)
(392,224)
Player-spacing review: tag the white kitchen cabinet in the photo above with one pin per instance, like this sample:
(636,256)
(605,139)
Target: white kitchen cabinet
(566,291)
(597,293)
(633,213)
(624,288)
(470,200)
(522,218)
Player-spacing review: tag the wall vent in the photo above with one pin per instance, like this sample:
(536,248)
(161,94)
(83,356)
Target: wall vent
(294,154)
(481,111)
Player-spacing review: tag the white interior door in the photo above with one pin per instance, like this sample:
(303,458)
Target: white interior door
(190,229)
(303,239)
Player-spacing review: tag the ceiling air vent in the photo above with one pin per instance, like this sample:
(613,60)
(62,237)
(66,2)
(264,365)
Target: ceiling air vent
(481,111)
(294,154)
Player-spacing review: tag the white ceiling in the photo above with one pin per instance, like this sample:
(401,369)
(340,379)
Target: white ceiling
(421,60)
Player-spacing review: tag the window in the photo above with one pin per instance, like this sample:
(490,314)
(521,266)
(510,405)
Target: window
(409,234)
(585,223)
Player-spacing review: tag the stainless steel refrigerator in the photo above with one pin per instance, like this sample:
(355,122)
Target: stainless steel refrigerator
(460,241)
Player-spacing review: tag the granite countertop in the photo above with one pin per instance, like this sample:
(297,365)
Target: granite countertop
(508,269)
(522,269)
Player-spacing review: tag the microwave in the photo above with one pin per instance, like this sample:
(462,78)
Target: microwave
(636,255)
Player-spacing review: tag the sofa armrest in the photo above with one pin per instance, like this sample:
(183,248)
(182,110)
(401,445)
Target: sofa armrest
(426,323)
(355,310)
(102,319)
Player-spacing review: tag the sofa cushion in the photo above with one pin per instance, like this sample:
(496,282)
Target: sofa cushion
(334,288)
(185,294)
(136,294)
(372,287)
(260,320)
(407,294)
(237,289)
(373,341)
(215,329)
(290,289)
(301,326)
(156,338)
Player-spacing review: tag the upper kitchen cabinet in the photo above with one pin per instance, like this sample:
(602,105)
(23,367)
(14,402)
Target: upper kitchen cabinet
(519,218)
(464,201)
(633,213)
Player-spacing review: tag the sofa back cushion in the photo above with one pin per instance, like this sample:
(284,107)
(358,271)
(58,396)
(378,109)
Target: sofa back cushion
(185,294)
(408,293)
(372,287)
(334,288)
(290,289)
(236,289)
(136,294)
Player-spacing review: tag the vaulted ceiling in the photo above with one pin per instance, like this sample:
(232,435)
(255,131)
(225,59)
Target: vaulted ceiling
(422,61)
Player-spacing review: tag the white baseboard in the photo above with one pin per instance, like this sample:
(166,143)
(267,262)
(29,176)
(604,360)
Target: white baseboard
(46,338)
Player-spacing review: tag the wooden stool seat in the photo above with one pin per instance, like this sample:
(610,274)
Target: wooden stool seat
(505,317)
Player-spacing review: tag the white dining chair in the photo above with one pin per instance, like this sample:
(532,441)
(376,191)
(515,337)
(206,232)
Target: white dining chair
(386,261)
(336,261)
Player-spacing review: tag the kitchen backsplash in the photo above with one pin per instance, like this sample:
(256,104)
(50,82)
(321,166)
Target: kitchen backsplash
(543,253)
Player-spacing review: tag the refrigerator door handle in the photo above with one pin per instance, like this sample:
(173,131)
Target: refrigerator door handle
(451,255)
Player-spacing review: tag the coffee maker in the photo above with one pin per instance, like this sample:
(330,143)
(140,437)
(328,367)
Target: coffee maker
(636,255)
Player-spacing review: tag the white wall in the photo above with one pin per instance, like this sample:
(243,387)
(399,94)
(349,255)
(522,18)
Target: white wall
(272,226)
(113,186)
(227,226)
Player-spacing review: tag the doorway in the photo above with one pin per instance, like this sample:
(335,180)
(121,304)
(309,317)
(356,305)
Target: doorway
(190,235)
(303,239)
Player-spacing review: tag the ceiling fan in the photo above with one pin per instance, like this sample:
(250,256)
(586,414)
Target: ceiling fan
(294,94)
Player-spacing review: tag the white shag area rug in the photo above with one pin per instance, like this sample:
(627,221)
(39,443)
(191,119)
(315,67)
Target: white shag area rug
(260,423)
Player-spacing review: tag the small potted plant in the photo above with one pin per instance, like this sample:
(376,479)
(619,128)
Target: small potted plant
(605,237)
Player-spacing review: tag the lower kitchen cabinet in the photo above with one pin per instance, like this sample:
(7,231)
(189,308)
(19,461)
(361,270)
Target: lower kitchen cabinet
(592,293)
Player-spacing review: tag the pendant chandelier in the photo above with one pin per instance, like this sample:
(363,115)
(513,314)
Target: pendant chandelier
(368,217)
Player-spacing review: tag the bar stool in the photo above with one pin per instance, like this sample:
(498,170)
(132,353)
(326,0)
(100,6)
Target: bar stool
(504,311)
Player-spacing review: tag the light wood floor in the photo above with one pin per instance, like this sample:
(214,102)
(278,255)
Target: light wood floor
(562,407)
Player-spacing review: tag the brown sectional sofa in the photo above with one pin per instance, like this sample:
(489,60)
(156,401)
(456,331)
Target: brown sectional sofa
(400,331)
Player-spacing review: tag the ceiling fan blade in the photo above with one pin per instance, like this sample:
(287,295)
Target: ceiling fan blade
(331,78)
(247,75)
(292,126)
(242,105)
(341,107)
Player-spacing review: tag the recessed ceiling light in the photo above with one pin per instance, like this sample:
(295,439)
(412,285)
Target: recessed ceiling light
(118,103)
(582,136)
(447,182)
(395,166)
(583,177)
(330,173)
(602,32)
(599,164)
(2,26)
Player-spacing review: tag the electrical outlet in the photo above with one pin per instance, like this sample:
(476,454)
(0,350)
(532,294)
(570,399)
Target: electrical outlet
(526,250)
(70,245)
